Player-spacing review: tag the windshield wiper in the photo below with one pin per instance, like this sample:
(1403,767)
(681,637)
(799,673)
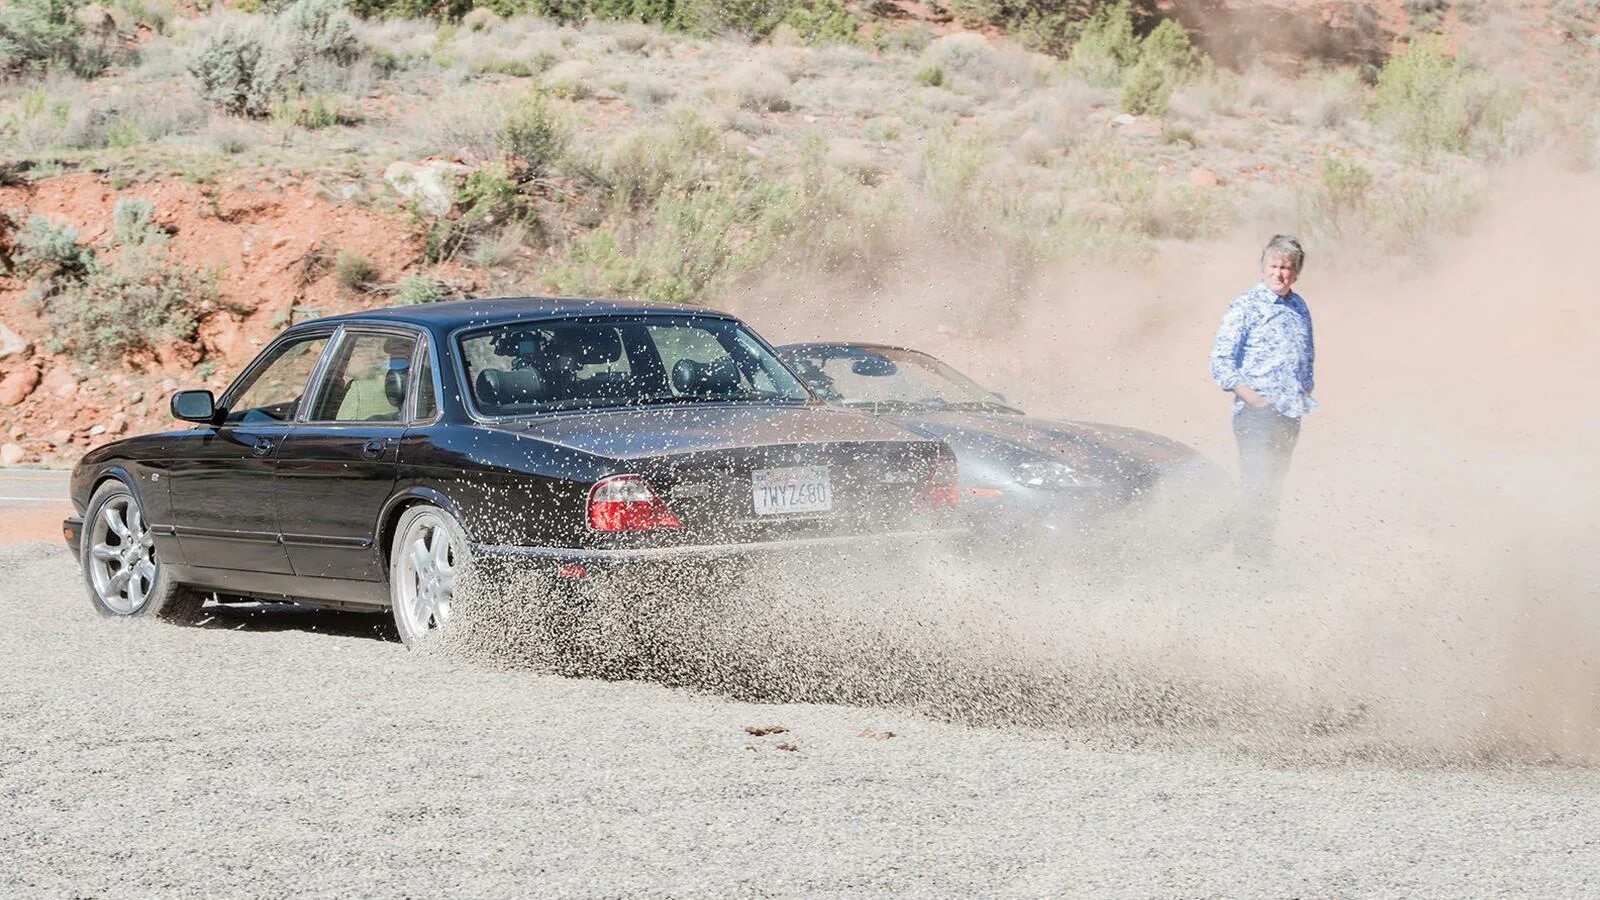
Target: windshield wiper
(759,396)
(895,405)
(986,406)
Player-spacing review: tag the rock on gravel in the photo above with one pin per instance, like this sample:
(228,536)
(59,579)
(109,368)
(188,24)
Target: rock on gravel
(302,752)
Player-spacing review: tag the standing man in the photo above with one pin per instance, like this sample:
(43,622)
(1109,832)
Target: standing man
(1264,357)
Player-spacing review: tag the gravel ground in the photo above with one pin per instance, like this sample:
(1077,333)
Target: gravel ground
(304,753)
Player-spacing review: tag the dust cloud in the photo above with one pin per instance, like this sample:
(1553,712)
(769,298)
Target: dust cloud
(1430,604)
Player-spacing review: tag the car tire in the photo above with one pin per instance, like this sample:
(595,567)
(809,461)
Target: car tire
(429,551)
(121,567)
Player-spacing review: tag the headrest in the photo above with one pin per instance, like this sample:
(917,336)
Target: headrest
(497,387)
(705,379)
(394,382)
(588,345)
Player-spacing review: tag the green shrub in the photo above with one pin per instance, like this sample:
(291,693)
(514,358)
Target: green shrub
(1337,205)
(320,29)
(416,290)
(354,271)
(532,137)
(1051,31)
(248,70)
(36,35)
(976,13)
(1106,48)
(932,76)
(133,222)
(824,22)
(641,166)
(1166,59)
(1436,104)
(311,113)
(748,19)
(101,310)
(51,252)
(1346,183)
(139,302)
(241,69)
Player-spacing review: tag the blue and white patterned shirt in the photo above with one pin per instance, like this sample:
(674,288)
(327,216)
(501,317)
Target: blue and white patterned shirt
(1265,342)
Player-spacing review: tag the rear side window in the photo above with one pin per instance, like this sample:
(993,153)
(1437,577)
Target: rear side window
(427,401)
(530,367)
(368,379)
(274,390)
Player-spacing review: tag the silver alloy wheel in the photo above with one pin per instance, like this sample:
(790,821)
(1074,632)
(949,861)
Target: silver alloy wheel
(428,560)
(122,556)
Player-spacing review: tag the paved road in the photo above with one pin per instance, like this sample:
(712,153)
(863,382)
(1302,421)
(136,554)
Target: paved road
(32,503)
(31,487)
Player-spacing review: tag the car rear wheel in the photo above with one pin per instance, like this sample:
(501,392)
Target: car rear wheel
(121,566)
(429,552)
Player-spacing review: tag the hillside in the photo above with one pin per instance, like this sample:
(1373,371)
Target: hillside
(177,185)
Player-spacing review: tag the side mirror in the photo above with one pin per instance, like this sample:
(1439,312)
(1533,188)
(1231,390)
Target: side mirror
(194,406)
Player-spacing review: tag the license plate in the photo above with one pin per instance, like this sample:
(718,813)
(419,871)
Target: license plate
(801,489)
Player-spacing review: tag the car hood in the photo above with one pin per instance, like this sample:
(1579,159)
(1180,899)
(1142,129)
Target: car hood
(667,430)
(1102,450)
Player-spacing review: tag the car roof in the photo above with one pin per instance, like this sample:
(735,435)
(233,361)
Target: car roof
(844,345)
(483,311)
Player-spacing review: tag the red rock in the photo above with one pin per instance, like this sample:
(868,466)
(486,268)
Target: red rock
(1200,176)
(11,454)
(17,386)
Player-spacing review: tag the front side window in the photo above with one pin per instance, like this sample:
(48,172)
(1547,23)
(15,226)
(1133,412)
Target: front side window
(368,379)
(521,368)
(274,390)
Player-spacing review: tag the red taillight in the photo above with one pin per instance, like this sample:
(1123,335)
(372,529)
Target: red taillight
(941,489)
(626,503)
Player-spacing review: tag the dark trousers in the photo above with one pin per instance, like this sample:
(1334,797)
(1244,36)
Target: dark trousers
(1266,441)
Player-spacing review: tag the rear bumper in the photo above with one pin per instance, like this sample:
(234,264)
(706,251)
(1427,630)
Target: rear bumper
(72,533)
(800,547)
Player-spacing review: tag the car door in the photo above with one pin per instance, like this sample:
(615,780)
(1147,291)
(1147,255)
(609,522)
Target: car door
(337,467)
(224,510)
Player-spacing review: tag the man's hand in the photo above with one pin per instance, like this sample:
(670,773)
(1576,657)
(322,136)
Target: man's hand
(1251,399)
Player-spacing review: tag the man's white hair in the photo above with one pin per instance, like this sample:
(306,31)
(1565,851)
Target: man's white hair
(1285,247)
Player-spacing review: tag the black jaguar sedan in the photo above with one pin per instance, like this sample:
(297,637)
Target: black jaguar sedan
(1020,476)
(361,460)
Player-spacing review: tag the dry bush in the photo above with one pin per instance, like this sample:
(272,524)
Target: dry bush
(465,123)
(1260,89)
(401,43)
(571,79)
(634,38)
(230,136)
(964,55)
(648,91)
(757,87)
(504,53)
(855,160)
(1336,96)
(61,113)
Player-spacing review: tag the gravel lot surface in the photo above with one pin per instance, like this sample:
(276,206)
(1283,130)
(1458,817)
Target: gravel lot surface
(302,753)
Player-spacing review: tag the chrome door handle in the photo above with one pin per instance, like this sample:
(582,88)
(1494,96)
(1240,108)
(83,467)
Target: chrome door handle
(373,449)
(262,447)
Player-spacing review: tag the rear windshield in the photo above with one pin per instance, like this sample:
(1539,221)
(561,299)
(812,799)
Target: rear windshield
(527,367)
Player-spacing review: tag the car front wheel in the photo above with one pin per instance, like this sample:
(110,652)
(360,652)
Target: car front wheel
(120,563)
(429,552)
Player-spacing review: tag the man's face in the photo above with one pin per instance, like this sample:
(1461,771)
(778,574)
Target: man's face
(1279,275)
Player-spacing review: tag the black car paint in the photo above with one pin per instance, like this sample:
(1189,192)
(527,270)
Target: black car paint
(306,510)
